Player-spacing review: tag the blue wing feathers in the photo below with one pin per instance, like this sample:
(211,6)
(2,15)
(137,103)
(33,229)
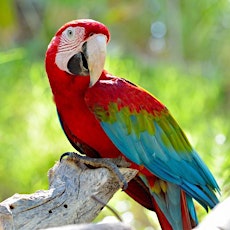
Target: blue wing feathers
(185,169)
(173,197)
(169,203)
(148,141)
(206,173)
(125,144)
(169,149)
(191,208)
(145,132)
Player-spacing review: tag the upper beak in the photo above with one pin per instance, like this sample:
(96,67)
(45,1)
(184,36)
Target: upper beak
(96,53)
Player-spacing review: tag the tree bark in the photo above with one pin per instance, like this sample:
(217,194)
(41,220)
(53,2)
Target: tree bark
(101,226)
(218,218)
(68,201)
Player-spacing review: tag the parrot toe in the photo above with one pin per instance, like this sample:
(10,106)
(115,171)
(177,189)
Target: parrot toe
(112,164)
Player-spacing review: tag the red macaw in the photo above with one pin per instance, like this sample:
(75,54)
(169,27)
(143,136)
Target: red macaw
(108,117)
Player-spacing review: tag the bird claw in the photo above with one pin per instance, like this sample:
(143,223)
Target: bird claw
(110,163)
(67,154)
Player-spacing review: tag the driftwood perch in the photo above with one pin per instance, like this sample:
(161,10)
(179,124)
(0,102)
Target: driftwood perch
(218,218)
(68,200)
(101,226)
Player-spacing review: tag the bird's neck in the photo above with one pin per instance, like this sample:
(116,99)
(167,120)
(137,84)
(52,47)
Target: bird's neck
(67,88)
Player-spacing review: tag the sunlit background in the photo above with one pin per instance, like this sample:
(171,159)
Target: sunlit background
(178,50)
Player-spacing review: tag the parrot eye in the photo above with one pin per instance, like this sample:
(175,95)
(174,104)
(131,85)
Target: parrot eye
(70,33)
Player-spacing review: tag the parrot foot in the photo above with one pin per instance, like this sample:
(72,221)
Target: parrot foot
(110,163)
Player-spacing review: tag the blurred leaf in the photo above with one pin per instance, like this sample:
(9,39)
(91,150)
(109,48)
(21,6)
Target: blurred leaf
(6,13)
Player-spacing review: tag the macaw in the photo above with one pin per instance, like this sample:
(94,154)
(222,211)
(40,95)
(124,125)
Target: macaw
(108,117)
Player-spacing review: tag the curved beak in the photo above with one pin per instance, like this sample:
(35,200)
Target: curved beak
(96,53)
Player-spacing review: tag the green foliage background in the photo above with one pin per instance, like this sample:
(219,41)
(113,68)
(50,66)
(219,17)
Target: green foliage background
(189,73)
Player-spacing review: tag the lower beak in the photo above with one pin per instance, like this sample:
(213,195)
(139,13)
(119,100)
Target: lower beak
(96,53)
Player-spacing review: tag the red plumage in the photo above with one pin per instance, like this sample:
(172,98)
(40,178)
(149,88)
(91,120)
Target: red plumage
(71,92)
(80,125)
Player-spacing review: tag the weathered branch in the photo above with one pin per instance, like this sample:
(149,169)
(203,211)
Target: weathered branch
(100,226)
(68,200)
(218,218)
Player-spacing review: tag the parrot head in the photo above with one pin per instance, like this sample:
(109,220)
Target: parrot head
(78,49)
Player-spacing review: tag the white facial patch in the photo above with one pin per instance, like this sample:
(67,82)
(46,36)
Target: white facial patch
(70,44)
